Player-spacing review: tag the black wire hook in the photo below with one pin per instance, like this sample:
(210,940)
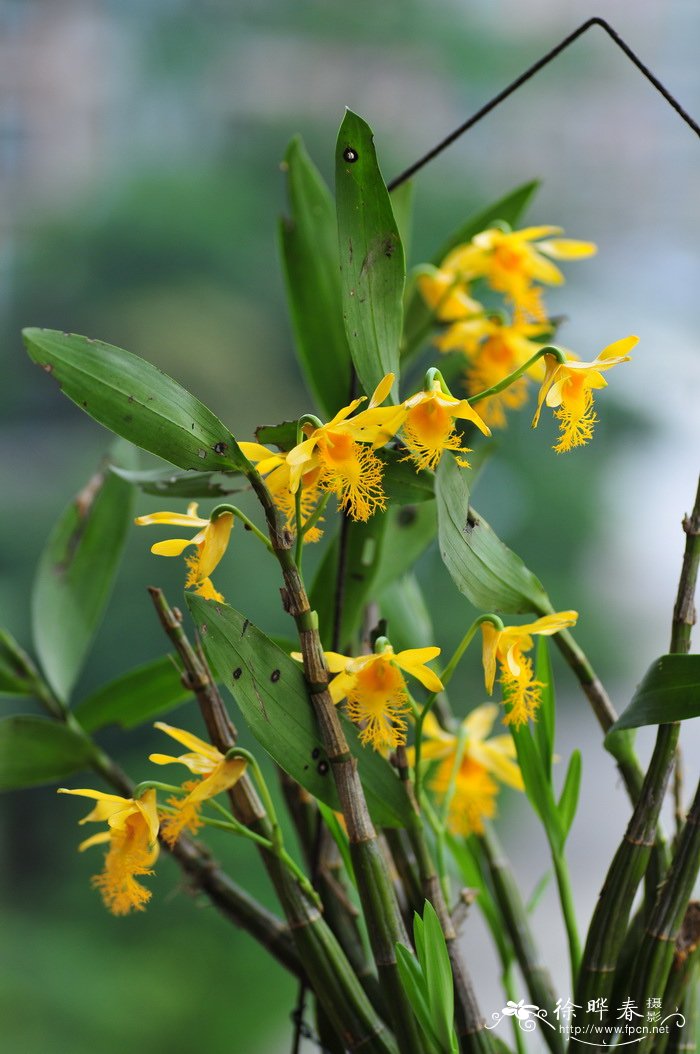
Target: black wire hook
(527,75)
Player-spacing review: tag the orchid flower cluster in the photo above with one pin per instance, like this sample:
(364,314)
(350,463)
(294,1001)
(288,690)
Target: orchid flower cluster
(499,344)
(392,772)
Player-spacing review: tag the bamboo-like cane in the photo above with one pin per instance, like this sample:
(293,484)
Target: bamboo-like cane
(608,926)
(344,1001)
(656,950)
(379,903)
(505,888)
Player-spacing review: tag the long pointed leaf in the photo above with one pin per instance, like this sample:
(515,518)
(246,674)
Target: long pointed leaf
(35,750)
(134,399)
(76,573)
(371,255)
(309,242)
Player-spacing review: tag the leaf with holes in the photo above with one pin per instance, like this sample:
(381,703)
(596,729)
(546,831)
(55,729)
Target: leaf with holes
(270,691)
(135,400)
(371,255)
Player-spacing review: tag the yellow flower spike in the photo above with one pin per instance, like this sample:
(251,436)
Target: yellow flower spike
(507,645)
(570,385)
(475,788)
(133,846)
(342,451)
(429,427)
(495,350)
(375,690)
(217,774)
(446,296)
(511,263)
(211,542)
(276,470)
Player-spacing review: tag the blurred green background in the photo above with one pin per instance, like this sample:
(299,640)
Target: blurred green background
(140,191)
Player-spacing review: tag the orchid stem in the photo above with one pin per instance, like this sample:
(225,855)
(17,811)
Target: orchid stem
(549,349)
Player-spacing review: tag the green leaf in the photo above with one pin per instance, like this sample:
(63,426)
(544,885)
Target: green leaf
(537,786)
(138,695)
(18,675)
(669,691)
(271,693)
(35,750)
(568,801)
(76,573)
(546,714)
(371,256)
(409,624)
(134,399)
(413,984)
(283,436)
(507,209)
(378,553)
(402,483)
(402,207)
(438,975)
(482,567)
(309,243)
(165,483)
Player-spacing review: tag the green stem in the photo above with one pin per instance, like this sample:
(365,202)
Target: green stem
(515,916)
(245,520)
(445,677)
(566,900)
(327,969)
(549,349)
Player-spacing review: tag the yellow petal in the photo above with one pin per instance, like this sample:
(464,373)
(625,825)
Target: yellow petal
(496,761)
(95,839)
(255,451)
(531,234)
(480,721)
(490,637)
(222,778)
(340,685)
(567,248)
(335,662)
(172,546)
(172,519)
(216,539)
(149,811)
(192,742)
(549,624)
(619,348)
(426,676)
(382,390)
(465,411)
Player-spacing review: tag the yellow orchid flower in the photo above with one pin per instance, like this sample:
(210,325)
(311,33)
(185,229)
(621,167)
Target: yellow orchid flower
(277,472)
(521,691)
(429,426)
(216,772)
(343,453)
(211,541)
(375,690)
(570,387)
(133,846)
(475,789)
(495,349)
(511,263)
(446,296)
